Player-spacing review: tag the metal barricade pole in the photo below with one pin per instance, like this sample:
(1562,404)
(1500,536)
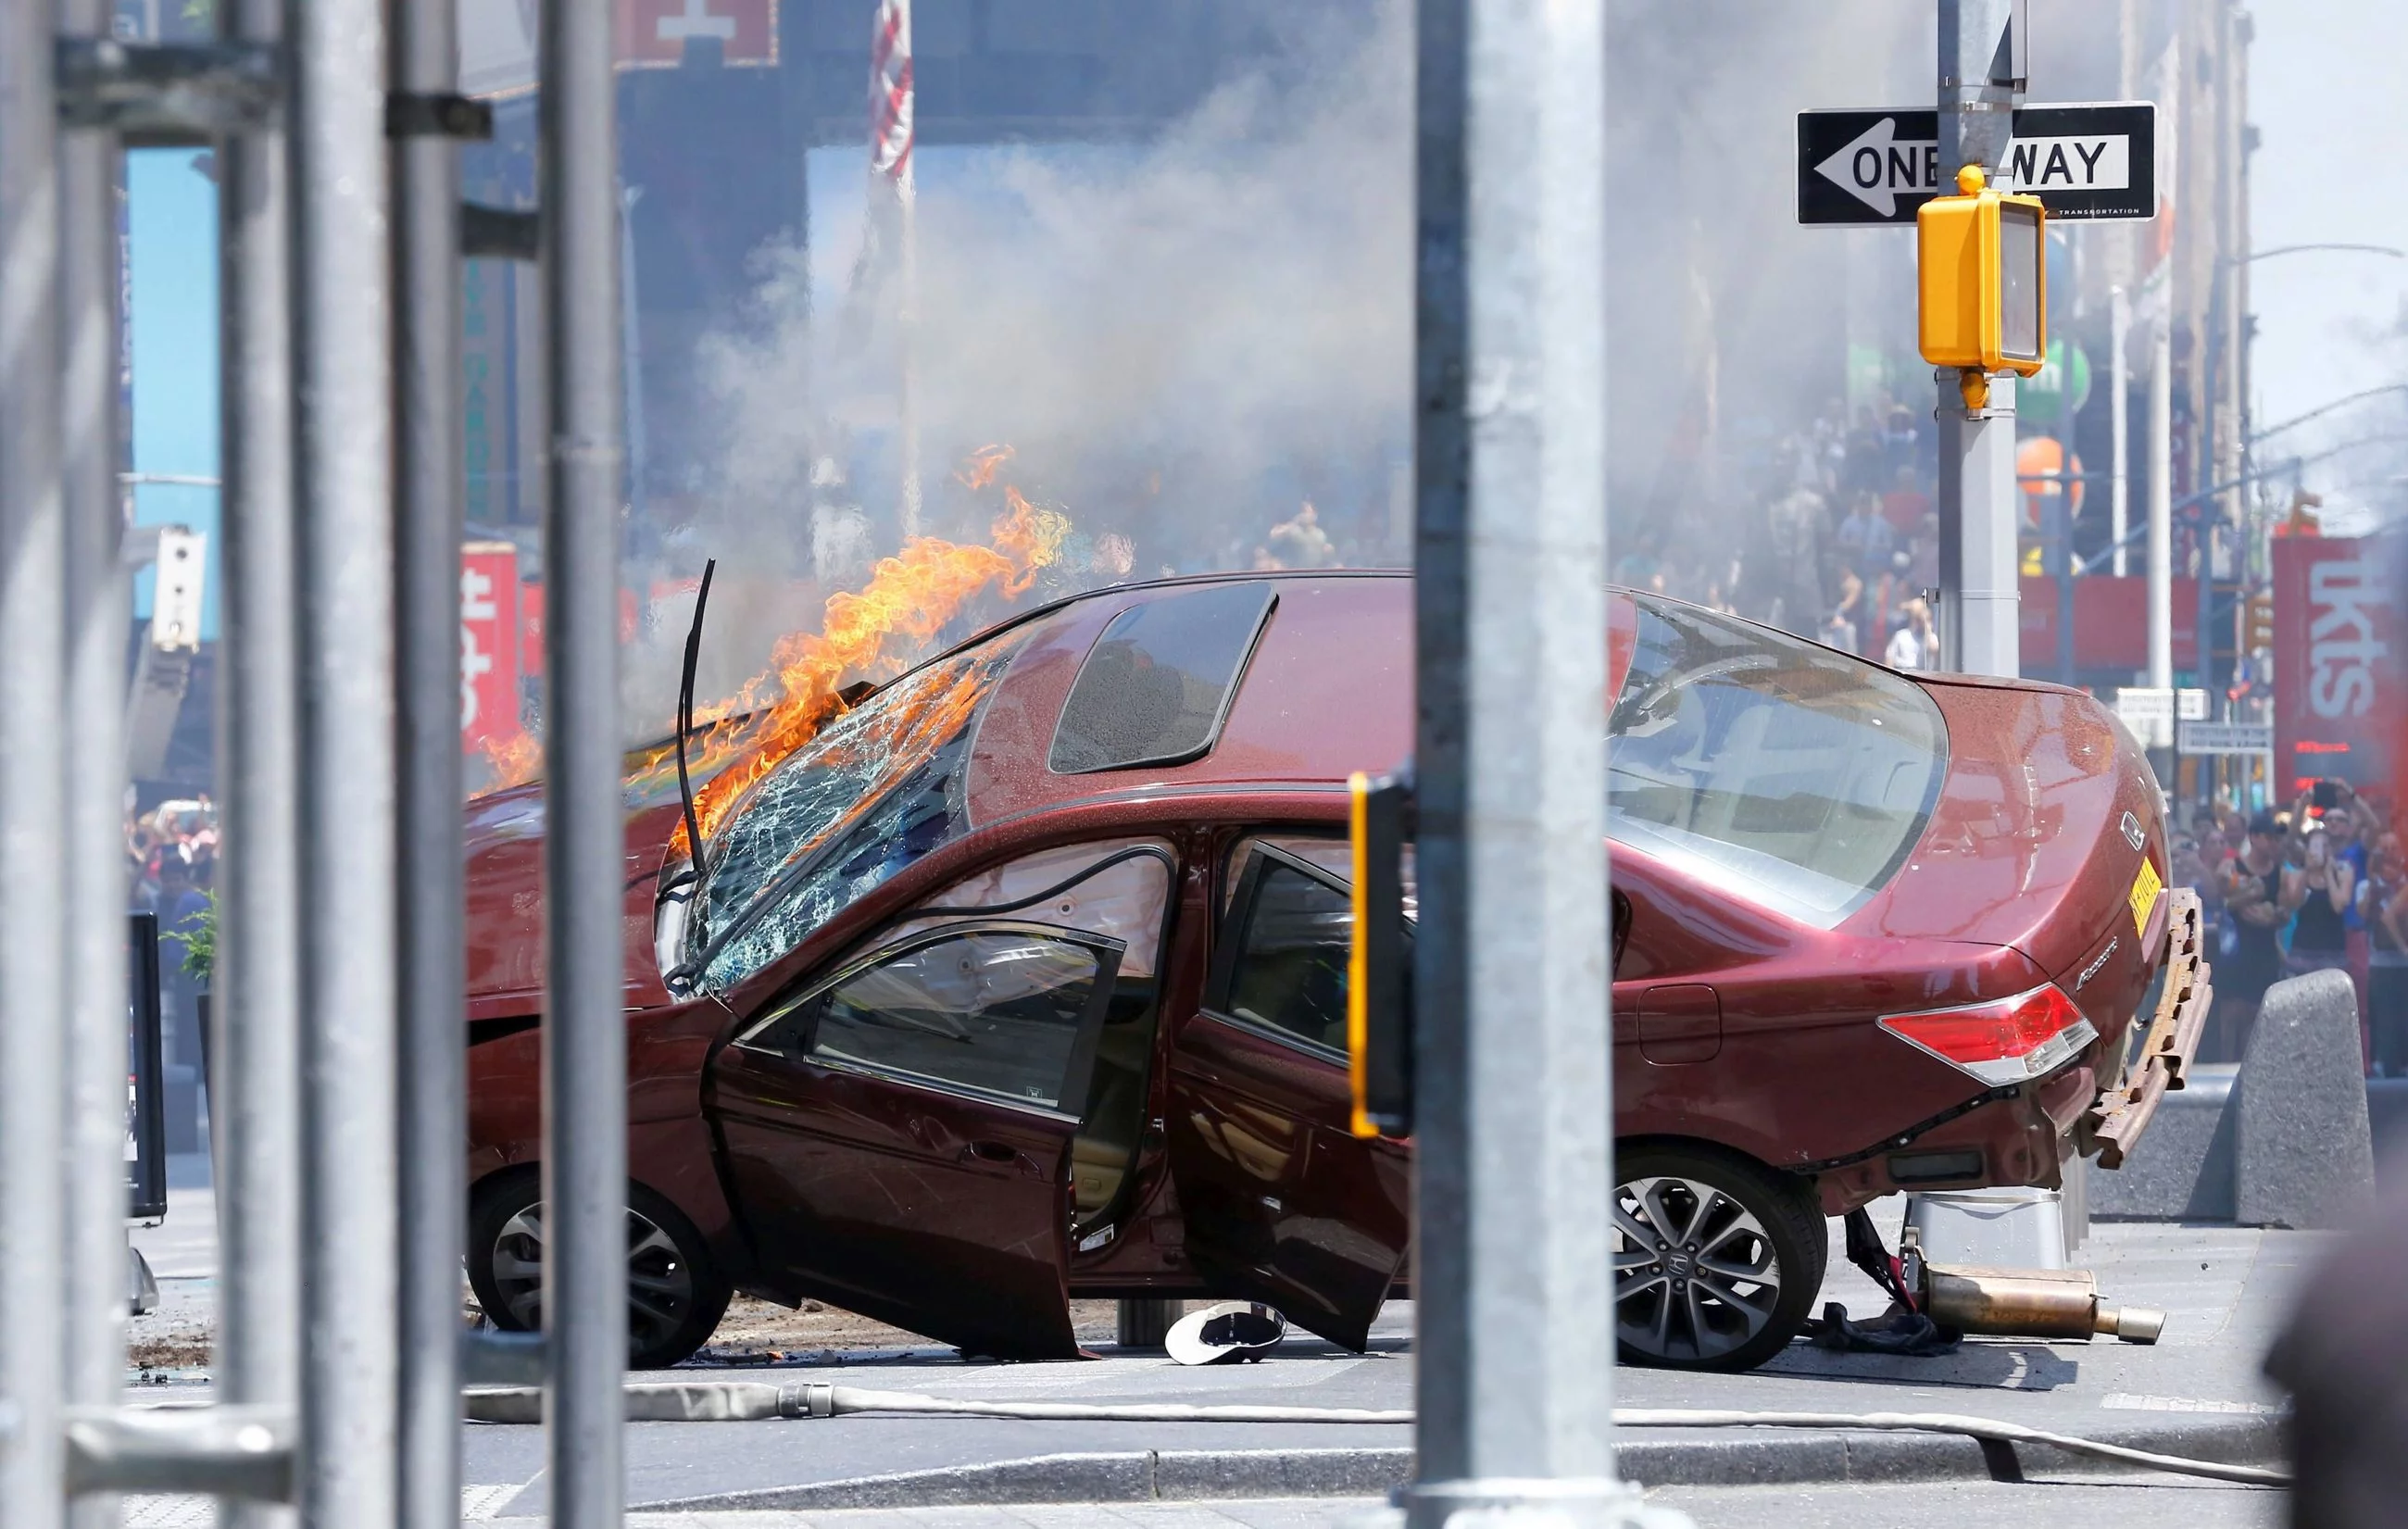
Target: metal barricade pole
(100,608)
(343,383)
(584,1031)
(255,1098)
(33,786)
(1515,1325)
(426,569)
(32,789)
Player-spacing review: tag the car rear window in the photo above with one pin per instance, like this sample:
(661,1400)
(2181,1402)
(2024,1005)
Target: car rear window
(1785,772)
(1156,686)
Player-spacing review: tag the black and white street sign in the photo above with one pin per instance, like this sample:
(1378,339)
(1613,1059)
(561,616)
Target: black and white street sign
(2225,738)
(2085,162)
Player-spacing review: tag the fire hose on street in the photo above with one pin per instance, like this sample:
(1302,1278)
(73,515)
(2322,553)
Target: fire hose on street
(755,1401)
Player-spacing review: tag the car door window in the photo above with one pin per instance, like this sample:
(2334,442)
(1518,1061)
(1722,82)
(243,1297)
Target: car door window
(998,1011)
(1288,972)
(1119,889)
(1333,857)
(1112,893)
(1116,887)
(1001,1011)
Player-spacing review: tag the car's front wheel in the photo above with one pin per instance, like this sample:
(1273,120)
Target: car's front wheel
(1716,1259)
(674,1292)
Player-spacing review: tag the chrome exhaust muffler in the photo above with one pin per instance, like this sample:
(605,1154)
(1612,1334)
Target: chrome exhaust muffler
(2061,1304)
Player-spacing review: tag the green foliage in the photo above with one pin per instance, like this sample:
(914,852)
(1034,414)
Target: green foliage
(197,932)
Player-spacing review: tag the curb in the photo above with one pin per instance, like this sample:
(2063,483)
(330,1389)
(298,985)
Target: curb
(1749,1457)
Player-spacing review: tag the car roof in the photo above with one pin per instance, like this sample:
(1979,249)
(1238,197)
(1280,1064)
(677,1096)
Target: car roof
(1328,691)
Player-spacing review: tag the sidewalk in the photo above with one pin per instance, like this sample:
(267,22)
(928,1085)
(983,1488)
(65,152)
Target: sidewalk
(2172,1504)
(2198,1392)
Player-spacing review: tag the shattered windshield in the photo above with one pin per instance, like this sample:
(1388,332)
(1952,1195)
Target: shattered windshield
(879,787)
(1788,773)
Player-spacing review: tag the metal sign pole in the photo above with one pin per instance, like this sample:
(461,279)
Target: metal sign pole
(429,492)
(1513,1167)
(255,1098)
(33,786)
(343,379)
(100,610)
(1981,83)
(584,1029)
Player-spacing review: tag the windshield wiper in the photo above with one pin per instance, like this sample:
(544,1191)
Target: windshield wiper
(693,873)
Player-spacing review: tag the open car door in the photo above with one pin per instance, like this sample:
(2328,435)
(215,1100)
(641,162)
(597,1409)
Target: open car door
(1283,1204)
(898,1136)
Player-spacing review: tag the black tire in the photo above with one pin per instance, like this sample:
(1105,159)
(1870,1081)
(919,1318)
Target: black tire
(676,1293)
(1716,1258)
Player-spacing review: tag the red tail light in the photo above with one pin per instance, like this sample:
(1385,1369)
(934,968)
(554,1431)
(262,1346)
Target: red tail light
(2003,1042)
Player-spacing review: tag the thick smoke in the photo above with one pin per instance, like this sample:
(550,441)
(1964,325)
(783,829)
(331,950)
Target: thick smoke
(1187,338)
(1731,327)
(1183,340)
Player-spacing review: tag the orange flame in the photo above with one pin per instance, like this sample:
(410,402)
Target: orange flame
(511,759)
(984,463)
(909,596)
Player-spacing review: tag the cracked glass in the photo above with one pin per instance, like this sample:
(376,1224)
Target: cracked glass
(881,786)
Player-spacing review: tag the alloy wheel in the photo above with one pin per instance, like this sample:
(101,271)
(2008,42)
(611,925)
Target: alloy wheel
(1696,1273)
(660,1281)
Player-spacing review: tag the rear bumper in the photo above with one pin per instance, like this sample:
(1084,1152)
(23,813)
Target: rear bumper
(2114,1121)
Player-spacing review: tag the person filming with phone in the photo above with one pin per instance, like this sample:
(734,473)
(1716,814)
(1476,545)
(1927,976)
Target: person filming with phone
(2319,894)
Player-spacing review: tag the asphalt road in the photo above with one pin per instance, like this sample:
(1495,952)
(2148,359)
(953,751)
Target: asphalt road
(2226,1290)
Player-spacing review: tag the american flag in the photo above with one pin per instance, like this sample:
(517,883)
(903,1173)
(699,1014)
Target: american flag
(890,92)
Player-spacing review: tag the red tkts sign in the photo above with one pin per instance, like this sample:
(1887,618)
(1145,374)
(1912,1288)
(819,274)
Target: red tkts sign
(489,641)
(2341,701)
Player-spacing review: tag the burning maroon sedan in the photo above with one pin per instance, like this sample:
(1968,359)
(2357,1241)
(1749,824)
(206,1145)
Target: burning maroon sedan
(1025,978)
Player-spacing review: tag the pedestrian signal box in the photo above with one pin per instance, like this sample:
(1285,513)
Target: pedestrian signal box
(1983,276)
(1378,967)
(2260,624)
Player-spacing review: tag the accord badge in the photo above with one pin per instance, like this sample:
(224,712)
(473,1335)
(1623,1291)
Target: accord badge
(2092,971)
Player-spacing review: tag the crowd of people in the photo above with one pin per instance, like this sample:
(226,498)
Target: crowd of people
(1841,544)
(172,852)
(2300,890)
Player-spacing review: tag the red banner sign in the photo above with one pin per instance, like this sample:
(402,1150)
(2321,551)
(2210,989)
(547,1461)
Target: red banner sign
(656,32)
(489,641)
(2111,624)
(2341,701)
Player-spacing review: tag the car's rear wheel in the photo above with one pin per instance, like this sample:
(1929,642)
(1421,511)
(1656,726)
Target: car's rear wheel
(1716,1259)
(674,1292)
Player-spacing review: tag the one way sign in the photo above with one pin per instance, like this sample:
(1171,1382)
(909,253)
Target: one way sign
(2091,162)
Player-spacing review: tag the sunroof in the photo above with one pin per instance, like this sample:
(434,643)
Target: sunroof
(1156,685)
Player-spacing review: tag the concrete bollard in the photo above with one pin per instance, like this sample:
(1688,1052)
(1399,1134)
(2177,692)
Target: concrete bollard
(2306,1157)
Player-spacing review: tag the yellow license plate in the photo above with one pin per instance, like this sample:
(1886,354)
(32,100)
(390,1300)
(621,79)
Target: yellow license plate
(2145,888)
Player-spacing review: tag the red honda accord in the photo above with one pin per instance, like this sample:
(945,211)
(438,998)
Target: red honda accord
(1025,979)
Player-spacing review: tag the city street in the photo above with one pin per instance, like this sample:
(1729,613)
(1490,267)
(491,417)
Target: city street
(2197,1393)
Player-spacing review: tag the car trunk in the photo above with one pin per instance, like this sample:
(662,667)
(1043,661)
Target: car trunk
(2031,844)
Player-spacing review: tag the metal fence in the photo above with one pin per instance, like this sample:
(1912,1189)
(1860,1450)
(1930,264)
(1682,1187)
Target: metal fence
(340,1087)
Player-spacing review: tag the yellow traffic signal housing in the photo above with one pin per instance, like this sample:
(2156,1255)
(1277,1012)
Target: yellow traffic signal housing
(1983,273)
